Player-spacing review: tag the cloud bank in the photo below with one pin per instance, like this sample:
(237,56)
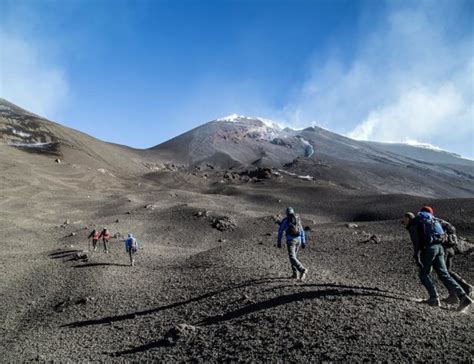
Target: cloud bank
(411,79)
(29,78)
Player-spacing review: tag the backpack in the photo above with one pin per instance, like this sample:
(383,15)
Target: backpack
(431,230)
(293,226)
(451,241)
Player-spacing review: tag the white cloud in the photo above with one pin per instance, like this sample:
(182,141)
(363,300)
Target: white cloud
(412,77)
(28,78)
(418,113)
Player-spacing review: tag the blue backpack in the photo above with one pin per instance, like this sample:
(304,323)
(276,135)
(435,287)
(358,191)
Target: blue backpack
(431,230)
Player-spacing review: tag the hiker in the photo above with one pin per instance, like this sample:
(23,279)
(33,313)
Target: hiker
(131,246)
(449,243)
(427,236)
(94,235)
(295,238)
(105,235)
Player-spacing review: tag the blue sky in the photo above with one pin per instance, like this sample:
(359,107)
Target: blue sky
(141,72)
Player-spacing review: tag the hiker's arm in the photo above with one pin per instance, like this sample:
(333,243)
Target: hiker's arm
(302,236)
(413,231)
(281,229)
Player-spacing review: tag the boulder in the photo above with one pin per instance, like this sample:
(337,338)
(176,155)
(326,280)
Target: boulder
(224,223)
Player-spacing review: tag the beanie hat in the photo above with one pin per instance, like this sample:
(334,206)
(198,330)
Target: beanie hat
(427,209)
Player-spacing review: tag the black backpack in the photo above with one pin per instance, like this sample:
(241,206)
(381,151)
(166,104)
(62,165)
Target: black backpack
(293,226)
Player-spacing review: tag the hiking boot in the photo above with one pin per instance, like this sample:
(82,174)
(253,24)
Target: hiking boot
(303,275)
(294,275)
(452,299)
(132,263)
(464,303)
(432,301)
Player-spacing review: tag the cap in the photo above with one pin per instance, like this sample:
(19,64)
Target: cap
(427,209)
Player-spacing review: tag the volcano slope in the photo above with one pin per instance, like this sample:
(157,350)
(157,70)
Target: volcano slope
(200,294)
(209,284)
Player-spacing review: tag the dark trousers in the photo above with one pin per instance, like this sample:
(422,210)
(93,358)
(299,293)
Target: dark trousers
(433,257)
(449,259)
(106,244)
(131,253)
(94,243)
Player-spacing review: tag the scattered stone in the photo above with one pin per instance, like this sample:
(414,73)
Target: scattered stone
(57,160)
(224,223)
(307,228)
(178,332)
(351,225)
(221,240)
(375,239)
(199,214)
(72,234)
(117,221)
(66,222)
(85,300)
(61,306)
(128,213)
(80,256)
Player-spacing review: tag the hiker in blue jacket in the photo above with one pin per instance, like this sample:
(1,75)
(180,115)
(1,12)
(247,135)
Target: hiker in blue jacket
(131,246)
(427,236)
(295,238)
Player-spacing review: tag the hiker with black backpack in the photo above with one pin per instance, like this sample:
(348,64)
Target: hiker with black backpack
(427,236)
(295,238)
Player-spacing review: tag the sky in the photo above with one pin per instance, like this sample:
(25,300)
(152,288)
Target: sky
(141,72)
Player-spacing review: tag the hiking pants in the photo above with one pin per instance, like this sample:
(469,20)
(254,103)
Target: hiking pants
(433,257)
(293,248)
(449,259)
(94,243)
(131,253)
(106,244)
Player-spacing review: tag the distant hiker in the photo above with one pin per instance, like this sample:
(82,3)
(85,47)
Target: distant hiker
(450,241)
(295,238)
(131,246)
(94,235)
(105,235)
(427,236)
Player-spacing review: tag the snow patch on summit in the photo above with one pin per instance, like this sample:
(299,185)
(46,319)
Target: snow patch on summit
(234,118)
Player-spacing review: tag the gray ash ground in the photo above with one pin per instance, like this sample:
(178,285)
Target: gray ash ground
(202,295)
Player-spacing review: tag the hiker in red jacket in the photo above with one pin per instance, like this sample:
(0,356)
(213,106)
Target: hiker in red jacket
(94,235)
(105,235)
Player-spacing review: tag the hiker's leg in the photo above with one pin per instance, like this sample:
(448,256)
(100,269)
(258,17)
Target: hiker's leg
(427,258)
(291,254)
(449,258)
(293,247)
(440,267)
